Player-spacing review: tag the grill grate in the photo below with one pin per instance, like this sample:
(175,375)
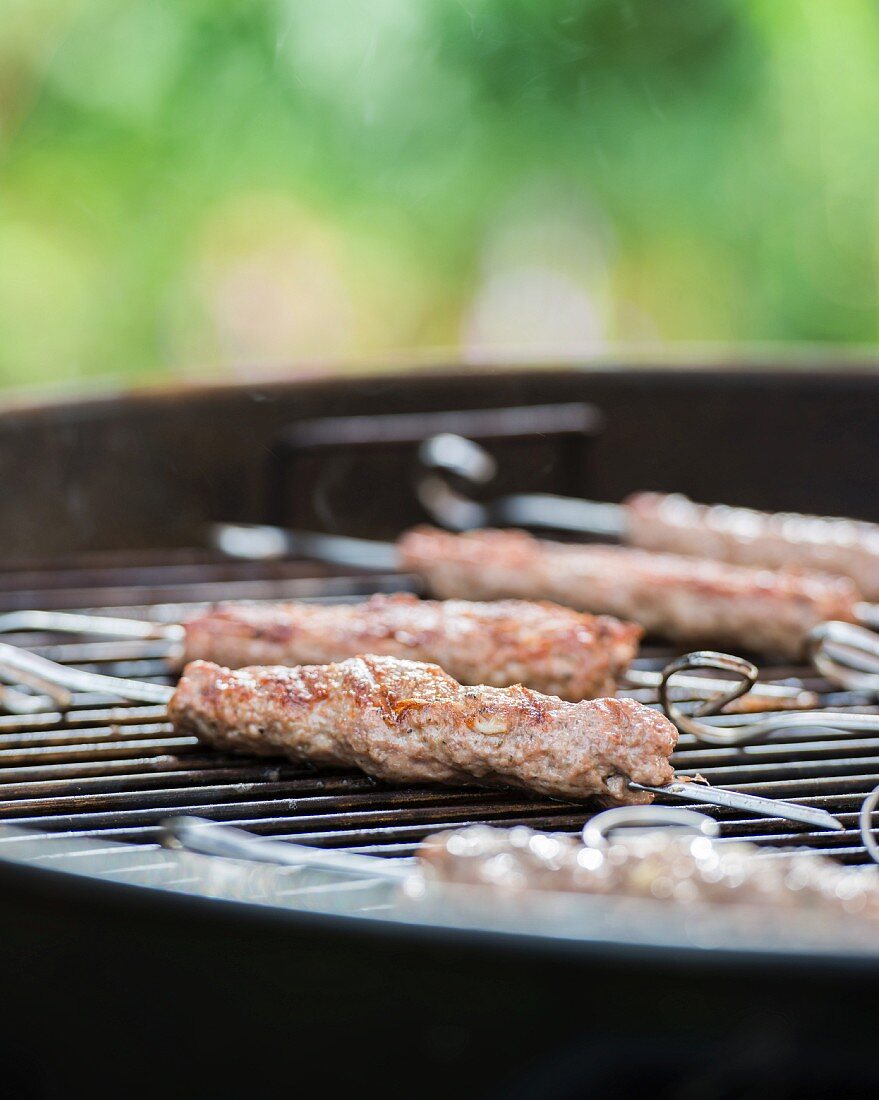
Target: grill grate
(113,771)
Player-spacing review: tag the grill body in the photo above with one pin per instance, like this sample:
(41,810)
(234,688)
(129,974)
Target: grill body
(113,989)
(105,504)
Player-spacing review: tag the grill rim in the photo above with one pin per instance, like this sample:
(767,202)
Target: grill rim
(22,876)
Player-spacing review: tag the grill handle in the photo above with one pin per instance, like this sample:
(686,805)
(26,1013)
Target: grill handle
(447,455)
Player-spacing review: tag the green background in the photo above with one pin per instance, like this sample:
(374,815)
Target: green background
(199,186)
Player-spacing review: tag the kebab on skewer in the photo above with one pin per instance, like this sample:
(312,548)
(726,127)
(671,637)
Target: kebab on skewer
(671,523)
(689,600)
(552,649)
(544,646)
(659,864)
(744,536)
(404,721)
(409,722)
(686,599)
(668,865)
(662,522)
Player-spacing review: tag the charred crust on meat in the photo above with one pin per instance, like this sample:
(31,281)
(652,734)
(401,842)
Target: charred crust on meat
(403,721)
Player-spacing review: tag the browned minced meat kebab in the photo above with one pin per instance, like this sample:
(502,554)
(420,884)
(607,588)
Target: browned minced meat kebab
(658,864)
(686,599)
(407,722)
(671,522)
(546,647)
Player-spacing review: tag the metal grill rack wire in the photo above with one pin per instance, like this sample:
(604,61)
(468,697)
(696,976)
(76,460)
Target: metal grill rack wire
(111,771)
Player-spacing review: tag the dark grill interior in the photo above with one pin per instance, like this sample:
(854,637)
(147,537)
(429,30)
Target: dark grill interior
(115,771)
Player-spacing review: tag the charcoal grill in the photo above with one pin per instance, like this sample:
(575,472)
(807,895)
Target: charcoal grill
(106,505)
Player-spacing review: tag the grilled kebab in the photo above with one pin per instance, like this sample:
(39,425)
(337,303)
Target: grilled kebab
(658,864)
(408,722)
(689,600)
(744,536)
(552,649)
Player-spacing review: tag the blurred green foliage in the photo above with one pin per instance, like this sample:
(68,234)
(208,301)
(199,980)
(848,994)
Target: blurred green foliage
(218,184)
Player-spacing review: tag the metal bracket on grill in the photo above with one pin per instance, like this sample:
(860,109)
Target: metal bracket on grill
(351,474)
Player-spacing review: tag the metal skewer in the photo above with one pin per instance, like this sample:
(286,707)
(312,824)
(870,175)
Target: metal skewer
(196,834)
(66,622)
(865,824)
(747,731)
(262,542)
(14,702)
(846,654)
(699,687)
(686,687)
(14,659)
(55,695)
(26,664)
(744,803)
(209,838)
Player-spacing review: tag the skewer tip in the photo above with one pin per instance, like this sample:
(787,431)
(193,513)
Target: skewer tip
(832,822)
